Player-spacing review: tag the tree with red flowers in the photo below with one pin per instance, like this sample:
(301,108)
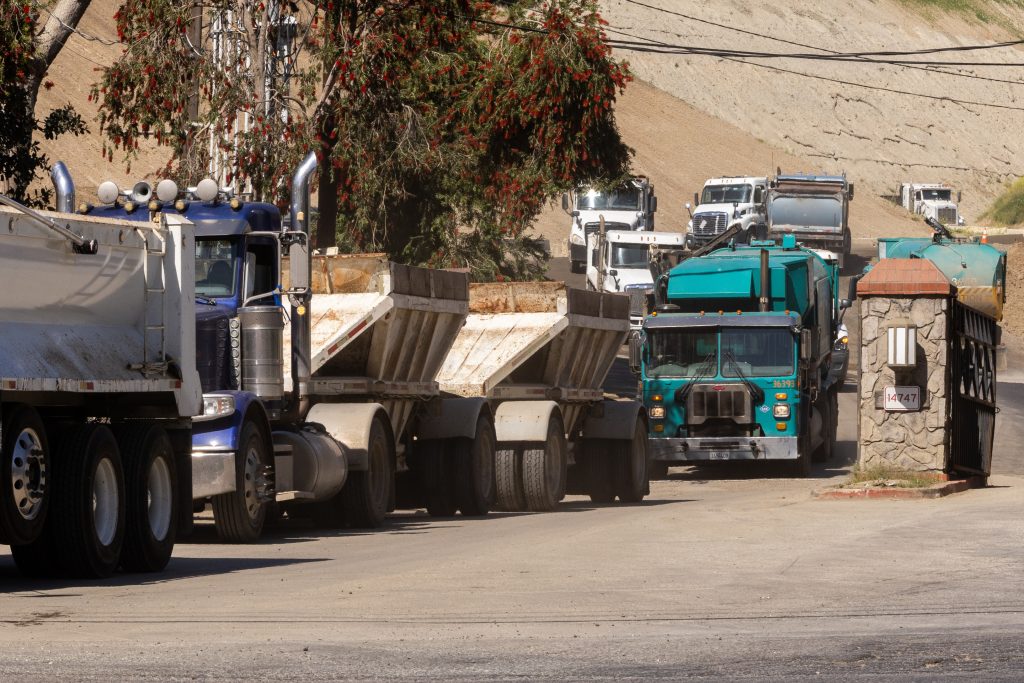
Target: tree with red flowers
(444,126)
(28,51)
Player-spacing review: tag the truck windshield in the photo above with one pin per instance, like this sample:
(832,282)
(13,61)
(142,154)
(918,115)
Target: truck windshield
(216,274)
(811,212)
(758,351)
(680,352)
(936,195)
(629,256)
(624,199)
(725,194)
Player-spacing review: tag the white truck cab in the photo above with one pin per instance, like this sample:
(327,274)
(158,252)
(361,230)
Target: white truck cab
(932,200)
(631,207)
(723,203)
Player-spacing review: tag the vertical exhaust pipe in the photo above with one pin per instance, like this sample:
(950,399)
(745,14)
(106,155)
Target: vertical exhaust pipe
(766,282)
(64,188)
(300,259)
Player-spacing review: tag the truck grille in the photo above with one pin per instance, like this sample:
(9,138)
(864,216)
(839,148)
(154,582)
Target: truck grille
(709,224)
(714,401)
(947,216)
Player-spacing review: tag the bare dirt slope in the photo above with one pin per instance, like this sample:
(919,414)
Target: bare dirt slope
(679,146)
(880,138)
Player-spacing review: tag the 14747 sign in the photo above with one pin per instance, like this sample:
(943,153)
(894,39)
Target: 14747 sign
(902,399)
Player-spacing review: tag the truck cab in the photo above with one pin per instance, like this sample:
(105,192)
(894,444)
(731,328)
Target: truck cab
(723,203)
(931,200)
(630,207)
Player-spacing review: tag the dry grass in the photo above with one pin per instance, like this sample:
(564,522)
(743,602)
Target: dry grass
(890,476)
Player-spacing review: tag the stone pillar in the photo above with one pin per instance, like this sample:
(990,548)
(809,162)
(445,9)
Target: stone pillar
(900,293)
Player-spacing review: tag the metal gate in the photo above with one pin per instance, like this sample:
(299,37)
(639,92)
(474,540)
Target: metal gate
(972,357)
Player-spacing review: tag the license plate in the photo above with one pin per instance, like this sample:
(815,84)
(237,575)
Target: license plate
(718,455)
(902,399)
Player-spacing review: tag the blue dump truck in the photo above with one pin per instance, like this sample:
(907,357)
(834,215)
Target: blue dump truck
(314,383)
(734,361)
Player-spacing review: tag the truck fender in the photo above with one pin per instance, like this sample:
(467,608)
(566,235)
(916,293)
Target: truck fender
(523,420)
(222,434)
(616,421)
(457,419)
(349,424)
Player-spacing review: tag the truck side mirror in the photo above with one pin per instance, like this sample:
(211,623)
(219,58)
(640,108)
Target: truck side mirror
(654,204)
(844,304)
(613,272)
(959,196)
(851,296)
(696,201)
(636,349)
(850,193)
(806,344)
(593,258)
(565,202)
(758,195)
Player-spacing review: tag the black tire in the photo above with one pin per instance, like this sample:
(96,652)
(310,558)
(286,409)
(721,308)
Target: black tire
(84,535)
(367,495)
(239,515)
(151,497)
(544,469)
(657,470)
(25,491)
(474,469)
(631,465)
(508,480)
(437,477)
(600,480)
(823,453)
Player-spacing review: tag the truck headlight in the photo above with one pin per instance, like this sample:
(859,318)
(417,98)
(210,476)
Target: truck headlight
(216,405)
(781,411)
(575,239)
(657,412)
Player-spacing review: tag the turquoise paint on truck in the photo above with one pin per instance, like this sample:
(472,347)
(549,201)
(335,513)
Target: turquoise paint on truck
(725,376)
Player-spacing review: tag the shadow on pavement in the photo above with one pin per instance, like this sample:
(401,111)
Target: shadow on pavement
(839,466)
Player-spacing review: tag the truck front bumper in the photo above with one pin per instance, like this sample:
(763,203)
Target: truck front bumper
(213,473)
(723,448)
(833,241)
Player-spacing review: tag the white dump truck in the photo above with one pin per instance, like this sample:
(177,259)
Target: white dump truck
(931,200)
(98,384)
(723,203)
(534,355)
(631,207)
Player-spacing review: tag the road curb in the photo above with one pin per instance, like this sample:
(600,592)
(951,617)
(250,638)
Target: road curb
(938,490)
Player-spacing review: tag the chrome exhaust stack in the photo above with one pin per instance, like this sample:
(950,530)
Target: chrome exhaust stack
(300,258)
(64,188)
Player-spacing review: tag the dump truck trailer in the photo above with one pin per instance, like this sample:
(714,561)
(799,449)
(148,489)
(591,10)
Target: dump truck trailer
(98,385)
(534,355)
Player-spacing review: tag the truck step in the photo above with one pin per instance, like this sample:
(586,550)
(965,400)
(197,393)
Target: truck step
(286,496)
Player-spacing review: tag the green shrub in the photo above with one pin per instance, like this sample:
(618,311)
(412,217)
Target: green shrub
(1008,209)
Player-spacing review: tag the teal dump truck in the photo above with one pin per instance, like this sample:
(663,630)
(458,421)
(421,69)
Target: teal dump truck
(734,361)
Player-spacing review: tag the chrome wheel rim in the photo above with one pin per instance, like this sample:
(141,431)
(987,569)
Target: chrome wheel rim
(105,502)
(158,489)
(28,474)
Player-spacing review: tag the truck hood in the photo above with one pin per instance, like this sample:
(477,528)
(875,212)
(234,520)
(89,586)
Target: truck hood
(630,218)
(720,208)
(936,204)
(628,276)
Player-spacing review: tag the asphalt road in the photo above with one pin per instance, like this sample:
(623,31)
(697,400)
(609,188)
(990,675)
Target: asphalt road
(723,573)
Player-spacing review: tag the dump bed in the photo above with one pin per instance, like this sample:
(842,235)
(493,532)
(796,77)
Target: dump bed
(120,320)
(380,327)
(535,340)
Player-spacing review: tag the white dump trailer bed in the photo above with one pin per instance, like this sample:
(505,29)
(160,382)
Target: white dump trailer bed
(98,385)
(536,355)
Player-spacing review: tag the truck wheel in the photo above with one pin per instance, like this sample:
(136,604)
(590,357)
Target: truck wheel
(366,494)
(508,480)
(823,453)
(474,469)
(437,475)
(88,525)
(631,464)
(151,495)
(600,476)
(544,470)
(24,477)
(238,515)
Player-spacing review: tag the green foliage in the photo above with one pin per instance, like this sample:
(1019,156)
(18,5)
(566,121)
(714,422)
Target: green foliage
(981,10)
(447,123)
(1008,209)
(20,156)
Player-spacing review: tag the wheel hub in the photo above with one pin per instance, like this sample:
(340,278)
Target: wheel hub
(28,474)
